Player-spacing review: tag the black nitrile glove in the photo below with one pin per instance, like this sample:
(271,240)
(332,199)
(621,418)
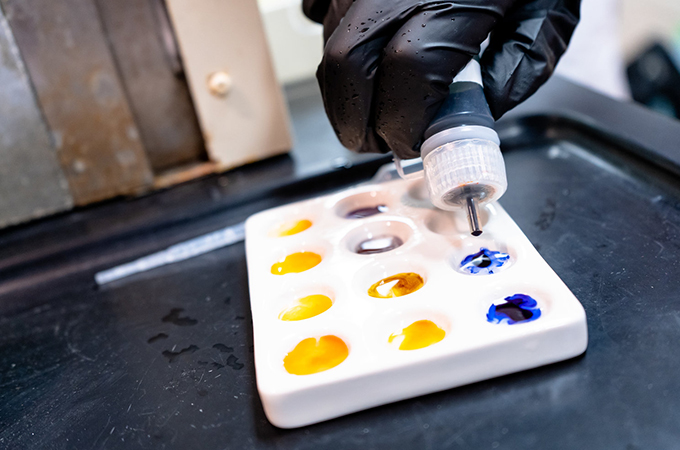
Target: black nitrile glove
(387,64)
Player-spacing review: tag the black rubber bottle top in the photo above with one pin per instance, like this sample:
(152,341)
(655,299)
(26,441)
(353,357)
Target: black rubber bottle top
(465,105)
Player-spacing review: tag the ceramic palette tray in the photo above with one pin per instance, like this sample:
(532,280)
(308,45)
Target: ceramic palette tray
(372,295)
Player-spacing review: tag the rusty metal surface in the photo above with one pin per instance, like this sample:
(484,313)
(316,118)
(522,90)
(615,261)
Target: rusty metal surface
(147,58)
(31,181)
(66,54)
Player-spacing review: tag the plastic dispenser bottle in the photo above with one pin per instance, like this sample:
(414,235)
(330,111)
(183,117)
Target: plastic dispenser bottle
(461,158)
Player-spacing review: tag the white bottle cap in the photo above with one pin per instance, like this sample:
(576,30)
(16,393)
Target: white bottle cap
(463,162)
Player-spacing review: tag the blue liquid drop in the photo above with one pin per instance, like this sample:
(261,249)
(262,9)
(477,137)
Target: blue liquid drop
(484,262)
(518,308)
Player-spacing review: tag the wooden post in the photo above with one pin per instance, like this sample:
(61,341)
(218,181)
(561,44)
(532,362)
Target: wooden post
(239,102)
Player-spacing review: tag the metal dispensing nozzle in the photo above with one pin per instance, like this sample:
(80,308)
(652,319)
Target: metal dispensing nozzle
(473,219)
(461,157)
(462,161)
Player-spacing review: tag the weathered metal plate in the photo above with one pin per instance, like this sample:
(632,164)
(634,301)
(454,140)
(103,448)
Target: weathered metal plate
(66,54)
(31,181)
(250,122)
(147,58)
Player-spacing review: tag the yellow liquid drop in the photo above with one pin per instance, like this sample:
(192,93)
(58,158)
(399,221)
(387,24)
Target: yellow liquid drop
(406,283)
(296,263)
(307,307)
(420,334)
(314,355)
(291,228)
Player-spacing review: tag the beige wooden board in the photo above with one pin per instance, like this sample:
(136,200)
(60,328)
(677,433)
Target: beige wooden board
(31,181)
(251,121)
(68,59)
(142,43)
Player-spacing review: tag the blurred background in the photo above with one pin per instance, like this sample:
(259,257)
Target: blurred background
(100,99)
(624,48)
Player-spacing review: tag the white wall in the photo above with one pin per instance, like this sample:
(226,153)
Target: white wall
(296,42)
(646,20)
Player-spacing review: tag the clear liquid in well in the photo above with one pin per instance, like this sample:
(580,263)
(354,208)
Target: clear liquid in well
(378,244)
(366,211)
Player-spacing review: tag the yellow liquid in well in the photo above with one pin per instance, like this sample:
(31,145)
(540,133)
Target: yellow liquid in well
(314,355)
(296,263)
(420,334)
(307,307)
(291,228)
(406,283)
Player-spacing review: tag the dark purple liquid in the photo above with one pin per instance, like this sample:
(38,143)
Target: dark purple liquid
(379,244)
(517,308)
(513,312)
(368,211)
(481,260)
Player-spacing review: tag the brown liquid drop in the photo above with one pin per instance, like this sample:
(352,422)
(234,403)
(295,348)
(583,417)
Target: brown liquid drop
(397,285)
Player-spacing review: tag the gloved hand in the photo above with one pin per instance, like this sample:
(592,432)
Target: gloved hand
(387,63)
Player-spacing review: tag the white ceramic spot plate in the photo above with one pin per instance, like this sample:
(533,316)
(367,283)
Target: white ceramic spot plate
(377,372)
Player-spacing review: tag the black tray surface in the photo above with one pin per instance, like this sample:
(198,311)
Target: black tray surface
(164,359)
